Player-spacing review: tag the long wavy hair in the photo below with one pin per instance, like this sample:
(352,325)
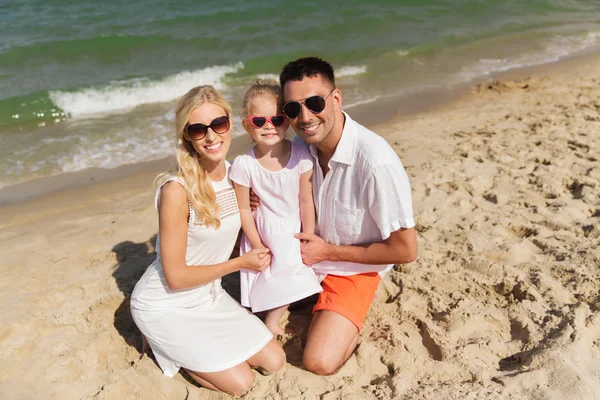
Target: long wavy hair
(189,166)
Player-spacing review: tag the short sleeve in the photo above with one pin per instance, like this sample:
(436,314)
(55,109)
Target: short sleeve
(305,160)
(169,179)
(390,198)
(239,171)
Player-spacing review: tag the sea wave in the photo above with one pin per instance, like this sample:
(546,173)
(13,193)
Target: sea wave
(556,49)
(350,71)
(363,101)
(345,71)
(267,77)
(123,96)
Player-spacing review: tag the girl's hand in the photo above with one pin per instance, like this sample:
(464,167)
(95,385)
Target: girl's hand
(257,259)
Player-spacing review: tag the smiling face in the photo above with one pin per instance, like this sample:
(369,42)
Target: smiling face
(213,147)
(265,105)
(314,128)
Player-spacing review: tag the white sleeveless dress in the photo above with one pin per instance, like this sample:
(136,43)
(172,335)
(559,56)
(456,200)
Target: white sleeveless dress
(277,219)
(201,329)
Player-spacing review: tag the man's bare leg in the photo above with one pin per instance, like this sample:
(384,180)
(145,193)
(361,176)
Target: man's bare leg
(331,340)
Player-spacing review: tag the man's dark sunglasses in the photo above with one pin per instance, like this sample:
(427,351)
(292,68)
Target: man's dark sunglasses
(219,125)
(314,104)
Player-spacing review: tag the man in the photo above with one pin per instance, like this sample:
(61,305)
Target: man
(364,211)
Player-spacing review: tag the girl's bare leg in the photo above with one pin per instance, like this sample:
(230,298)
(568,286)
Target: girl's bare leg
(273,319)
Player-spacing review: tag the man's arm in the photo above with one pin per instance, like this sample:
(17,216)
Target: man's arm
(399,248)
(390,205)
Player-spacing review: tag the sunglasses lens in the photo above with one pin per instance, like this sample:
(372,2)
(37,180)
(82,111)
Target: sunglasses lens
(259,121)
(196,131)
(292,109)
(315,104)
(277,120)
(220,125)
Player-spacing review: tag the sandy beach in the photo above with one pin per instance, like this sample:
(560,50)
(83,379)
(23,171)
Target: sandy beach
(503,301)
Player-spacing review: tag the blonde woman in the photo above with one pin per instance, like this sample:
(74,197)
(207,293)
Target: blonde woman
(179,305)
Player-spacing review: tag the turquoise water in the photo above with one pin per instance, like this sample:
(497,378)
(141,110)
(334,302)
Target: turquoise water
(92,84)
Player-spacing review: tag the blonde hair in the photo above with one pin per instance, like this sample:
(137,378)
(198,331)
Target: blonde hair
(261,87)
(201,194)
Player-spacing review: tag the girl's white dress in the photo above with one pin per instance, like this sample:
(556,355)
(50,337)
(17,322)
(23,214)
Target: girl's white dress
(201,329)
(277,220)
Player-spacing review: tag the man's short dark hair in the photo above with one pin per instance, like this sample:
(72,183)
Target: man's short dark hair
(308,66)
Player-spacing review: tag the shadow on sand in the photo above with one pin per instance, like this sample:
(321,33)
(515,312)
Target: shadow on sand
(132,261)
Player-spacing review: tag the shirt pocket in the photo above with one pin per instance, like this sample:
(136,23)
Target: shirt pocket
(347,223)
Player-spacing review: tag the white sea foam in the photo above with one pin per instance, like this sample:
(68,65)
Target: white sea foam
(122,96)
(557,48)
(125,148)
(342,72)
(111,152)
(268,76)
(350,71)
(363,101)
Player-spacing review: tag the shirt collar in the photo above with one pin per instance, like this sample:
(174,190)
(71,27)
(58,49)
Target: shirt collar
(344,151)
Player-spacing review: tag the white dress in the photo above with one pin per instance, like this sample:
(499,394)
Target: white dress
(201,329)
(277,220)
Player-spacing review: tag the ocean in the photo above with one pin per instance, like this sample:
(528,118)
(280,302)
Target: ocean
(93,84)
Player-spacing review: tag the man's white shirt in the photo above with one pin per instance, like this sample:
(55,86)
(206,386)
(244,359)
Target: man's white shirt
(364,197)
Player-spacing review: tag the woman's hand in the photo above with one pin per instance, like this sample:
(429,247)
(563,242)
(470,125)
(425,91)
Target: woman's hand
(257,259)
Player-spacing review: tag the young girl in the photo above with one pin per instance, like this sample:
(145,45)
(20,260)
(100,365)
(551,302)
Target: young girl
(280,173)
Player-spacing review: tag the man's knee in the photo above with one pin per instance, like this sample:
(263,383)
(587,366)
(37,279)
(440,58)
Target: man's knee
(320,366)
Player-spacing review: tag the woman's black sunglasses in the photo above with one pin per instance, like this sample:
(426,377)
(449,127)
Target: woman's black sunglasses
(314,104)
(219,125)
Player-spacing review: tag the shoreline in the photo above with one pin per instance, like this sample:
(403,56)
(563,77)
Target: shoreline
(380,112)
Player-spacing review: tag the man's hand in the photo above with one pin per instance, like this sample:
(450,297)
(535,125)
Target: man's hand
(254,200)
(313,248)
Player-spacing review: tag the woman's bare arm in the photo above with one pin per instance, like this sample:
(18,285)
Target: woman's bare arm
(173,224)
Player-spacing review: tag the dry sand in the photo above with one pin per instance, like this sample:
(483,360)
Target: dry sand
(503,302)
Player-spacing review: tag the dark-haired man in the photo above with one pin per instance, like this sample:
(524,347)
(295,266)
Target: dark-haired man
(364,211)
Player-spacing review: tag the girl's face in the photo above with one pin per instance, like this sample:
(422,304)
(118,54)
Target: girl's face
(214,146)
(269,134)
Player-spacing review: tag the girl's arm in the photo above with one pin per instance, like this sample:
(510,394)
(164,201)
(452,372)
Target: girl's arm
(307,204)
(248,225)
(173,219)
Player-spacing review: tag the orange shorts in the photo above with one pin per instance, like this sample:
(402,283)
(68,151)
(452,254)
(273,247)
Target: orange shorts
(350,296)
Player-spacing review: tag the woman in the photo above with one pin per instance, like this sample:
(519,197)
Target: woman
(179,305)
